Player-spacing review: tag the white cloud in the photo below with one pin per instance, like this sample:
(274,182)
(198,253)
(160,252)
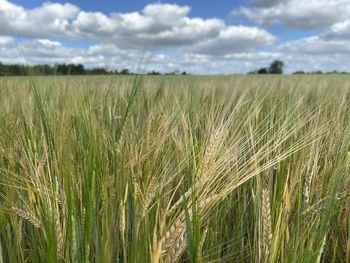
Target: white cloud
(174,40)
(265,3)
(49,43)
(311,14)
(6,41)
(157,26)
(317,46)
(310,62)
(166,14)
(235,40)
(50,19)
(262,56)
(44,51)
(93,24)
(340,30)
(316,53)
(40,51)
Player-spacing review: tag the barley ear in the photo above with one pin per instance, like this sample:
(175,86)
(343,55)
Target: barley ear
(59,234)
(31,218)
(266,219)
(307,186)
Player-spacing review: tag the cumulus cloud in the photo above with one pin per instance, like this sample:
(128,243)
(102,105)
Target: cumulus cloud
(200,44)
(173,39)
(45,51)
(317,45)
(157,26)
(39,51)
(310,62)
(50,19)
(311,14)
(6,41)
(265,3)
(340,30)
(235,40)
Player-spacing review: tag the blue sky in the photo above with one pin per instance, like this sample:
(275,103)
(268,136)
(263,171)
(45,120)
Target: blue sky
(201,37)
(200,8)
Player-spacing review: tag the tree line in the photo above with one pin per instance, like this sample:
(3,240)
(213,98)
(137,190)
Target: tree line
(276,67)
(67,69)
(318,72)
(57,69)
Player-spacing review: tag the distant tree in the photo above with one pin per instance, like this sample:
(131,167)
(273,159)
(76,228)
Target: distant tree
(2,69)
(276,67)
(77,69)
(184,73)
(300,72)
(46,70)
(16,70)
(57,69)
(153,72)
(62,69)
(98,71)
(252,72)
(125,72)
(262,71)
(318,72)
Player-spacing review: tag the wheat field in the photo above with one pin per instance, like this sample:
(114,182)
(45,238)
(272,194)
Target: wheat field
(175,169)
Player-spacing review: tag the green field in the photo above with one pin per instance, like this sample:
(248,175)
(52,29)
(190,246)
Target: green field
(175,169)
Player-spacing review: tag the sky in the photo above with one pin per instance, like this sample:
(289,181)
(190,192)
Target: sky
(196,36)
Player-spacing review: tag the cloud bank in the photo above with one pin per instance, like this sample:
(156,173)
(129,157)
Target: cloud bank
(172,39)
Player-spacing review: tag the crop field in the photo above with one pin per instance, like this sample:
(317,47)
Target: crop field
(175,169)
